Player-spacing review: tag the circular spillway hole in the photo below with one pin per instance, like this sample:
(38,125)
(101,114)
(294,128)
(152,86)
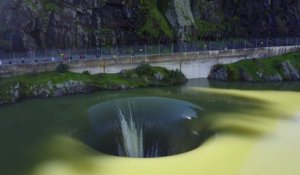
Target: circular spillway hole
(144,127)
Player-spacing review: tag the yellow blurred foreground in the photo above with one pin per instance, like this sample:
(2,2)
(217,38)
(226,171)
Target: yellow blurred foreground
(272,150)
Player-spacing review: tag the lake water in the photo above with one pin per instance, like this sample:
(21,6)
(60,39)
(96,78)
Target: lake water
(242,129)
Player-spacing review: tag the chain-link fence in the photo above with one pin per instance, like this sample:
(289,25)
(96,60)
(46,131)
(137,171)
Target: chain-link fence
(44,56)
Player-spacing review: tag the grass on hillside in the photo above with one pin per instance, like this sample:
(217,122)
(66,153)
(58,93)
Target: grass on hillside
(155,20)
(268,66)
(142,76)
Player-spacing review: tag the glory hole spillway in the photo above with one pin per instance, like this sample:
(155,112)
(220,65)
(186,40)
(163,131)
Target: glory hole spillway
(144,127)
(203,127)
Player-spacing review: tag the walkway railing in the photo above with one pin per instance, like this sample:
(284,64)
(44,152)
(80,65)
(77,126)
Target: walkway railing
(119,52)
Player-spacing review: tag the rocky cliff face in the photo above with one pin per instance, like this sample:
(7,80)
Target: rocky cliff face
(26,24)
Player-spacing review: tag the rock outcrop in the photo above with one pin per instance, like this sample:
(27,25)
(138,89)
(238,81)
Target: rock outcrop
(18,92)
(14,89)
(31,24)
(276,69)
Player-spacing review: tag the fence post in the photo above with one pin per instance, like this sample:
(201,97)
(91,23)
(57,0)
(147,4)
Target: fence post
(131,55)
(210,45)
(267,42)
(14,57)
(256,43)
(245,44)
(145,52)
(101,51)
(69,57)
(159,50)
(117,49)
(287,41)
(172,48)
(222,45)
(277,42)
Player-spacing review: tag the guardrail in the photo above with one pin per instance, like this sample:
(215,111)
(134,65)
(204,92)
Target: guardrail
(58,55)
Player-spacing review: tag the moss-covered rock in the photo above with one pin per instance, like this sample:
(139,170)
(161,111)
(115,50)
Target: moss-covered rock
(279,68)
(50,84)
(85,23)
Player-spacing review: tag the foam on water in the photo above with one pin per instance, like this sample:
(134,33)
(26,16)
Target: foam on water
(132,134)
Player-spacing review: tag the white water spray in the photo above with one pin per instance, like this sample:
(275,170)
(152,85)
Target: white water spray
(132,135)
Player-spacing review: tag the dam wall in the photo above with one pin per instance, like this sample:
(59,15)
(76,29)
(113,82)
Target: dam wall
(192,64)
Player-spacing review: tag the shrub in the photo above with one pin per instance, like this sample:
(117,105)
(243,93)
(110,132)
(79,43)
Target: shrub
(62,68)
(175,77)
(86,72)
(144,69)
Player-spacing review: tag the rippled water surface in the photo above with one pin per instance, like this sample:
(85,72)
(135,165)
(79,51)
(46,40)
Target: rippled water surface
(244,129)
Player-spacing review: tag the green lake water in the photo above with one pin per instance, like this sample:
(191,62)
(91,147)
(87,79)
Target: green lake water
(39,136)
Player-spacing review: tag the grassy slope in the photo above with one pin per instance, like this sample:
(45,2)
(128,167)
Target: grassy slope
(267,66)
(42,78)
(143,76)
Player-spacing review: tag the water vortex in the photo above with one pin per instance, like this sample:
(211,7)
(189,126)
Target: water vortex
(144,127)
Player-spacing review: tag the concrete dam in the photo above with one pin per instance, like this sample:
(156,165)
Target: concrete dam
(193,64)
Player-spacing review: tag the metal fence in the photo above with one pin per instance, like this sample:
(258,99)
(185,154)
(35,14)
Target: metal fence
(44,56)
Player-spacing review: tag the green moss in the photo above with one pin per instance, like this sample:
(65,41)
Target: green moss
(205,28)
(268,66)
(142,76)
(50,6)
(154,20)
(163,5)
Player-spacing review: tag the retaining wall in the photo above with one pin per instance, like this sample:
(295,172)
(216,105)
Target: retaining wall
(193,64)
